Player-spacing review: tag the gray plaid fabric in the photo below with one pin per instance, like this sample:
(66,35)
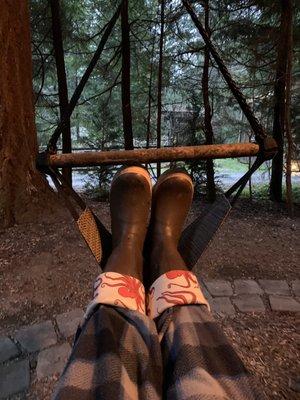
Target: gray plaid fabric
(122,354)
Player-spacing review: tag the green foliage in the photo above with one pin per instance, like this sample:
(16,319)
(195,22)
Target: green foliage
(236,165)
(261,192)
(98,183)
(245,33)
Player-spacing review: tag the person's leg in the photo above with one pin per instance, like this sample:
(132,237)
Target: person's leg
(130,199)
(117,354)
(171,200)
(197,358)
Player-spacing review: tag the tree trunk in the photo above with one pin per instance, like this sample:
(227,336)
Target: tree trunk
(256,126)
(126,102)
(250,180)
(159,83)
(280,97)
(62,83)
(24,194)
(148,137)
(208,130)
(85,77)
(289,137)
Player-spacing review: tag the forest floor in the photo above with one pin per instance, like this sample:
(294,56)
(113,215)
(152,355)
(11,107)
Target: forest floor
(46,270)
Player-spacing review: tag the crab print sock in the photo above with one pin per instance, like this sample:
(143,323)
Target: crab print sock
(176,287)
(119,290)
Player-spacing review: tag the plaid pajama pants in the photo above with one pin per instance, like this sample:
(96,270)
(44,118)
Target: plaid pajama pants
(121,353)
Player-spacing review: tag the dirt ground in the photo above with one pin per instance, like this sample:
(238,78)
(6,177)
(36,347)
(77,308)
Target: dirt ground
(46,269)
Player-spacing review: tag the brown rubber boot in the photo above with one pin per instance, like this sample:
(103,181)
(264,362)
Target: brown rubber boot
(171,201)
(130,199)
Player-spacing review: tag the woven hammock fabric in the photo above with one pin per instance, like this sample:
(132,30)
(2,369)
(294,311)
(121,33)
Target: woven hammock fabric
(89,230)
(197,236)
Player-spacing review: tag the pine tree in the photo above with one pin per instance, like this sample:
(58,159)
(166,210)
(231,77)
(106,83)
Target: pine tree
(24,194)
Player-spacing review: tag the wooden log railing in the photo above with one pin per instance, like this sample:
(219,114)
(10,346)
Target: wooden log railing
(120,157)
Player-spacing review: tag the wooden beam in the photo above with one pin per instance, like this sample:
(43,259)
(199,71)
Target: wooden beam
(120,157)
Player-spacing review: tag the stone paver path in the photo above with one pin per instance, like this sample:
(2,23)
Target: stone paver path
(41,350)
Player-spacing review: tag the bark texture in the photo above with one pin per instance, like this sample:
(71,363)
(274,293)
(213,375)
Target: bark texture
(280,98)
(165,154)
(24,194)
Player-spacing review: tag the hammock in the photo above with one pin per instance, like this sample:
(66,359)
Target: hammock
(196,237)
